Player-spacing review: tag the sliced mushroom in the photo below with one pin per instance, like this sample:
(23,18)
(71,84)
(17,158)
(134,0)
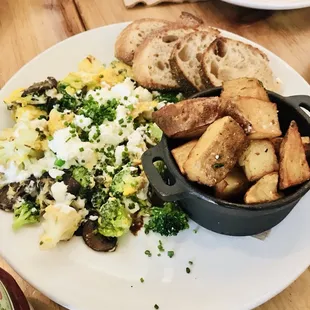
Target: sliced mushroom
(9,195)
(73,186)
(40,87)
(96,241)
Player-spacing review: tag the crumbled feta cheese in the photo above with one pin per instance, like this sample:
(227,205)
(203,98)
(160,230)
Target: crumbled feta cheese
(68,149)
(60,194)
(79,203)
(53,93)
(82,121)
(160,104)
(143,94)
(93,217)
(31,188)
(136,144)
(119,154)
(217,157)
(54,173)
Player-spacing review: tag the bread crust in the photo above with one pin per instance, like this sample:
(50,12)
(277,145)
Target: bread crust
(140,66)
(216,49)
(122,50)
(180,75)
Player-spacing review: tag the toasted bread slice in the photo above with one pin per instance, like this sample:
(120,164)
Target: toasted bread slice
(262,115)
(228,59)
(233,185)
(265,190)
(190,20)
(294,168)
(186,58)
(259,159)
(216,152)
(180,153)
(151,65)
(133,35)
(244,87)
(188,118)
(277,144)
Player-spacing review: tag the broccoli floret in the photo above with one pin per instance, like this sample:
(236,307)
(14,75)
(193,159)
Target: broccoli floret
(168,220)
(25,212)
(155,133)
(98,113)
(124,183)
(170,97)
(99,197)
(114,219)
(83,176)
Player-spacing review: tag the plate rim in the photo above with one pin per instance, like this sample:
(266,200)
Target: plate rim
(301,4)
(259,300)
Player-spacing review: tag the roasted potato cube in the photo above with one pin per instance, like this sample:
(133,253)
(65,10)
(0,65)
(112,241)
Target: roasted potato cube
(265,190)
(277,143)
(216,152)
(189,118)
(235,184)
(262,115)
(246,87)
(294,168)
(259,159)
(181,153)
(57,120)
(232,110)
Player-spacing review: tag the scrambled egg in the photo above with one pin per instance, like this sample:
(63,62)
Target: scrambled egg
(92,73)
(28,113)
(57,120)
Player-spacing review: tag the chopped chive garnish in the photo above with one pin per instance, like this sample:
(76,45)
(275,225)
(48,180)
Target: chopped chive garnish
(148,253)
(160,246)
(59,162)
(218,165)
(141,280)
(170,254)
(188,270)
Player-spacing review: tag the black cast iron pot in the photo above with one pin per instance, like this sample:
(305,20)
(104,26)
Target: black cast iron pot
(218,215)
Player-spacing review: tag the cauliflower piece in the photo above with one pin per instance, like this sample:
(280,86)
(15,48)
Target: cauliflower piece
(60,223)
(60,220)
(57,120)
(28,113)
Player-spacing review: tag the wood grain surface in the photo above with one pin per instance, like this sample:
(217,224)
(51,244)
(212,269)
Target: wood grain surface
(28,27)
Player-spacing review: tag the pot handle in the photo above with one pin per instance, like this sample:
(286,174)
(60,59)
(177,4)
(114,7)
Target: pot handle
(301,101)
(166,192)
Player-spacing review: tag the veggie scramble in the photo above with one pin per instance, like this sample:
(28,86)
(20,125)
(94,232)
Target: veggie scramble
(72,161)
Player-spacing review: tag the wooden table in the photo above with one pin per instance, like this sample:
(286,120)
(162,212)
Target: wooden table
(28,27)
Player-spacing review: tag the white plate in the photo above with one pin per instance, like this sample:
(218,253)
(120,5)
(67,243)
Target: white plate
(228,273)
(271,4)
